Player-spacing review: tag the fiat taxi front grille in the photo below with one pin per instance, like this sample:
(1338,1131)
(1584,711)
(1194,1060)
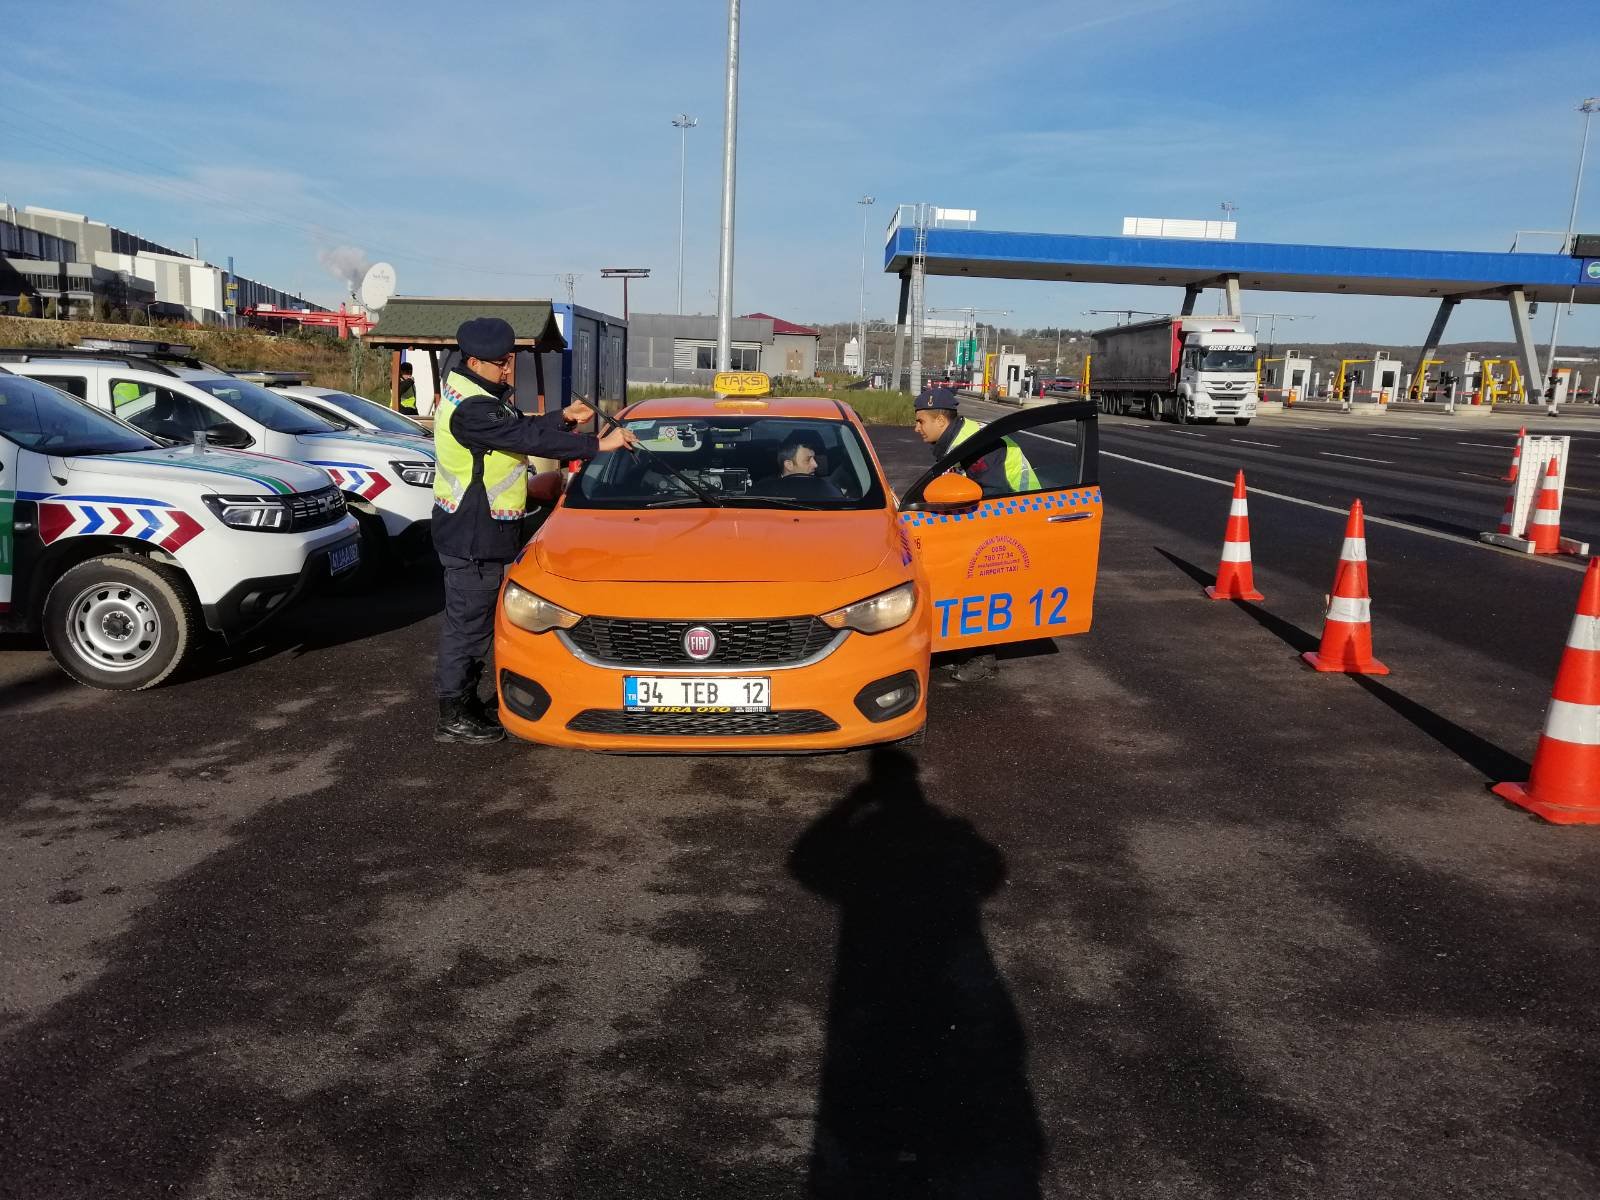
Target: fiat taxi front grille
(782,641)
(732,724)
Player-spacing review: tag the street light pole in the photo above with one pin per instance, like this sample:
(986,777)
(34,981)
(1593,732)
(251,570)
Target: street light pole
(861,317)
(683,122)
(1588,108)
(730,122)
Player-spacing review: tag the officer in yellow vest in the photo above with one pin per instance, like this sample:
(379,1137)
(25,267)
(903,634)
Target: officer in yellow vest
(408,390)
(1003,471)
(480,495)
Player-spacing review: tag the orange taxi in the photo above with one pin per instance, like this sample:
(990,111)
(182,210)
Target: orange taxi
(745,580)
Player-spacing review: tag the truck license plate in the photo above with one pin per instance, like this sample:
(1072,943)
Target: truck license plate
(678,693)
(343,558)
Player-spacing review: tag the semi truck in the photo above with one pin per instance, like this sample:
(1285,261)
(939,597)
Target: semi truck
(1183,369)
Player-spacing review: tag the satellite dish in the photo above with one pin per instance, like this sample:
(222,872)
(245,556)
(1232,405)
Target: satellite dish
(377,285)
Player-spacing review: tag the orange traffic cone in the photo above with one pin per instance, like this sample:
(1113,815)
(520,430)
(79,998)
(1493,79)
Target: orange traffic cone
(1544,527)
(1516,456)
(1508,517)
(1235,578)
(1564,785)
(1347,633)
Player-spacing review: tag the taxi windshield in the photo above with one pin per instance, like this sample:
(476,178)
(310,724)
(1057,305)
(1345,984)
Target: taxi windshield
(38,417)
(737,461)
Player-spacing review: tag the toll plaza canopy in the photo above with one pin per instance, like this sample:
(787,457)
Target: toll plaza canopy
(1265,266)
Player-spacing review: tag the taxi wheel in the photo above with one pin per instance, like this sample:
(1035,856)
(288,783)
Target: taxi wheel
(120,623)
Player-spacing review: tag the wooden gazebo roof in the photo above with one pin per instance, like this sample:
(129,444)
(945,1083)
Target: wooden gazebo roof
(432,321)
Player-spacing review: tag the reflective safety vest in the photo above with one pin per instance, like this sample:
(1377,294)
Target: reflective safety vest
(505,476)
(124,393)
(1020,475)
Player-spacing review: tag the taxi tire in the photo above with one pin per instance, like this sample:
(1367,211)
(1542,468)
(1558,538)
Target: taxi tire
(166,589)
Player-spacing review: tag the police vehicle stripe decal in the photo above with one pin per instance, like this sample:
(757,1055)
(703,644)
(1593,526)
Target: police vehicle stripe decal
(267,481)
(144,520)
(8,554)
(366,482)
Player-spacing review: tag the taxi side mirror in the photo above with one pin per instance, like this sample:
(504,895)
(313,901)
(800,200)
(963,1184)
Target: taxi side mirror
(951,491)
(545,487)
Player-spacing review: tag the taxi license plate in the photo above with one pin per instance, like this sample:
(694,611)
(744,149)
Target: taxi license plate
(679,693)
(343,558)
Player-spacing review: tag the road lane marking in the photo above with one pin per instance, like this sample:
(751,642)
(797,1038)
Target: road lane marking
(1248,442)
(1481,475)
(1356,458)
(1481,445)
(1185,433)
(1440,535)
(1398,437)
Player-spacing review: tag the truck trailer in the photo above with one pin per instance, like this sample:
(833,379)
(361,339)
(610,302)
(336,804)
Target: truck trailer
(1182,369)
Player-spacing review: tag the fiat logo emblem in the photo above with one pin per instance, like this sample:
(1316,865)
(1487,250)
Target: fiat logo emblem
(699,643)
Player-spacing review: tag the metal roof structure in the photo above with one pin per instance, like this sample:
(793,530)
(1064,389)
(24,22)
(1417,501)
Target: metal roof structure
(1263,266)
(433,321)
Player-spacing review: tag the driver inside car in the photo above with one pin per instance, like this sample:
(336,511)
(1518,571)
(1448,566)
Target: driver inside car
(799,475)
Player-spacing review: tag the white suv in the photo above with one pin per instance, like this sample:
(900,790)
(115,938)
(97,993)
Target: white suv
(387,480)
(123,551)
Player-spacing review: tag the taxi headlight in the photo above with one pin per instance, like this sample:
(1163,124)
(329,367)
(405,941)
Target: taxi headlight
(886,610)
(535,613)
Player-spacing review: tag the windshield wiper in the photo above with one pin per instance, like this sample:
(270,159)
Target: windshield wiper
(776,502)
(705,496)
(673,502)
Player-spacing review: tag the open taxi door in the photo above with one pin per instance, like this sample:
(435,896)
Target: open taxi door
(1010,568)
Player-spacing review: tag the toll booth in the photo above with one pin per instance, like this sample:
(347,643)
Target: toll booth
(1286,377)
(1011,372)
(1385,378)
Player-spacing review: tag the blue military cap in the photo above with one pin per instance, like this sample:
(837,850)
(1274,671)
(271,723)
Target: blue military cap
(936,398)
(488,338)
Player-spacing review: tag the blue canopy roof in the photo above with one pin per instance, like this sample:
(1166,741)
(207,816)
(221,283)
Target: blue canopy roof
(1262,266)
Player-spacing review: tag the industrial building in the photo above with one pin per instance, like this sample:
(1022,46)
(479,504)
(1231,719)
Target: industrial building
(75,264)
(667,348)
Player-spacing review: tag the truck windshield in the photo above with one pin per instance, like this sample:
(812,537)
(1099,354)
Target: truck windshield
(1228,360)
(278,413)
(737,461)
(38,417)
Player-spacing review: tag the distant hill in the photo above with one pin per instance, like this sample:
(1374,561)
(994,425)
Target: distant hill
(1040,347)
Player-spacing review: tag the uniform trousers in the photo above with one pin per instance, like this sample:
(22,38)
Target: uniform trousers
(470,589)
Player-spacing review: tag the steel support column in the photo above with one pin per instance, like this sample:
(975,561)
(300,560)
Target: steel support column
(1526,350)
(895,383)
(1191,297)
(1430,347)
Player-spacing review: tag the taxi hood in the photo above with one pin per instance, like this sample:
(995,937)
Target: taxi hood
(712,545)
(226,472)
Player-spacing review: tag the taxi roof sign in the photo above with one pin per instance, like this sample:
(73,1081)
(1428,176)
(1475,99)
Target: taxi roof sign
(741,383)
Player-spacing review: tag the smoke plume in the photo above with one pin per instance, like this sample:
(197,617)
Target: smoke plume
(347,263)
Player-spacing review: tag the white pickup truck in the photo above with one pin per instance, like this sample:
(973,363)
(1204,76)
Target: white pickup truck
(161,389)
(123,551)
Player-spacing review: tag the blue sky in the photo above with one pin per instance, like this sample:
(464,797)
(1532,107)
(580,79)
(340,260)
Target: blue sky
(486,148)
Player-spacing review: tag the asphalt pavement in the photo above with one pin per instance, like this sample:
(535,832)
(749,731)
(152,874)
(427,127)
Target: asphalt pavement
(1156,913)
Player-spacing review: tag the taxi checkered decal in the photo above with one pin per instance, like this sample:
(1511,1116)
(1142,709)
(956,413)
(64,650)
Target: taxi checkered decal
(116,516)
(364,481)
(1000,506)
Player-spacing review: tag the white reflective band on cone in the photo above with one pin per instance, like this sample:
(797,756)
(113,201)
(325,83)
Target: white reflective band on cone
(1585,633)
(1546,516)
(1239,508)
(1355,550)
(1575,723)
(1235,551)
(1349,609)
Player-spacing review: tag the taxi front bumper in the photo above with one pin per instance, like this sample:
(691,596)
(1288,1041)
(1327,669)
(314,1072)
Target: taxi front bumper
(553,695)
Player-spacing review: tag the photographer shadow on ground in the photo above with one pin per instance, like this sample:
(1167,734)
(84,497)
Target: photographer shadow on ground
(924,1088)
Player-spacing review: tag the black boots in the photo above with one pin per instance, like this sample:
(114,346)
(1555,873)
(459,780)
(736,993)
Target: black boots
(465,719)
